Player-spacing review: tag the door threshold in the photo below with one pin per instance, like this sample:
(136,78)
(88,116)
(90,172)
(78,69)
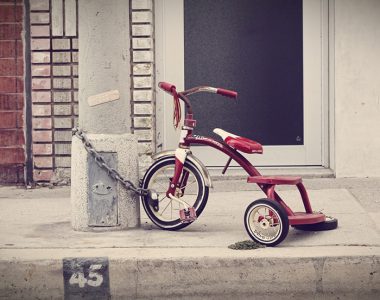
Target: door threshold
(235,173)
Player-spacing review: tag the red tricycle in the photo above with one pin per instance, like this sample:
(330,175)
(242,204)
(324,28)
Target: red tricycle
(181,182)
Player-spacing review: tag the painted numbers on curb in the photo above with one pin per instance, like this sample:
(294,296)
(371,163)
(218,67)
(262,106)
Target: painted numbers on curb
(86,278)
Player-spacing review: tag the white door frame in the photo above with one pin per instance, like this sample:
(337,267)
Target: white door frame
(169,31)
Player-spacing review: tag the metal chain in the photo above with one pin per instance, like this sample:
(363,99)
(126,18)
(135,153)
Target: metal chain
(101,163)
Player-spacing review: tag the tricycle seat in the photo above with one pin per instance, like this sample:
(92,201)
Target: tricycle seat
(275,180)
(239,143)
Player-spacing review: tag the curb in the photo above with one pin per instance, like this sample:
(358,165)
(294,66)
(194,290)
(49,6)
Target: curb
(194,273)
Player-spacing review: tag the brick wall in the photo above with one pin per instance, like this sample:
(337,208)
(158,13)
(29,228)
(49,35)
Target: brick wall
(143,78)
(54,86)
(12,141)
(54,58)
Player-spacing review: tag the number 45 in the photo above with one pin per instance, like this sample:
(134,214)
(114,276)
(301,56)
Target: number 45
(94,278)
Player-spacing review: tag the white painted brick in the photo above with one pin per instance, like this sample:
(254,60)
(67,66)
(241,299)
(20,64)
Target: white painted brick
(57,17)
(62,123)
(62,83)
(63,136)
(75,96)
(63,162)
(142,30)
(143,122)
(40,18)
(75,43)
(61,44)
(142,17)
(142,95)
(70,17)
(144,134)
(141,4)
(75,83)
(143,69)
(62,110)
(143,108)
(142,82)
(61,57)
(39,4)
(62,148)
(142,56)
(62,96)
(75,56)
(61,70)
(75,70)
(142,43)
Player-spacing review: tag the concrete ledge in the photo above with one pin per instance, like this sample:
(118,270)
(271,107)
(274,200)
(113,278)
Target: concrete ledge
(193,273)
(128,205)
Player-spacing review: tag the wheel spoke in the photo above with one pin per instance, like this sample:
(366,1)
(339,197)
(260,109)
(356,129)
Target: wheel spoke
(166,207)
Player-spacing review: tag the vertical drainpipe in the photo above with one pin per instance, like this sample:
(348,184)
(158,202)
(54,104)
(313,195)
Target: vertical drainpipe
(28,171)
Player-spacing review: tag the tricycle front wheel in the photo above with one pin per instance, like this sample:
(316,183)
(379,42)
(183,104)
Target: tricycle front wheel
(266,222)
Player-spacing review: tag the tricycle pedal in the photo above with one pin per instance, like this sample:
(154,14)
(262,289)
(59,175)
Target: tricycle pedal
(188,215)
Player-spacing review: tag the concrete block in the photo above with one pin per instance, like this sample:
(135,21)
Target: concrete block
(125,145)
(142,43)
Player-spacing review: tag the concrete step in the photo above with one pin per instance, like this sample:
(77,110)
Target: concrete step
(191,273)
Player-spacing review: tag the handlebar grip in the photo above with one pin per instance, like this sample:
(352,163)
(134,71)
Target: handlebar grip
(227,93)
(167,87)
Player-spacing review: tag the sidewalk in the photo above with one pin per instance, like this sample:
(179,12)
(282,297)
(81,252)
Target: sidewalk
(195,263)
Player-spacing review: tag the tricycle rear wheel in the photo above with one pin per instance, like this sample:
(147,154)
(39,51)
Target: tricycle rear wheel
(330,224)
(266,222)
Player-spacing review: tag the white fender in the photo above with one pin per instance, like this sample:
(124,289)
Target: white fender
(193,159)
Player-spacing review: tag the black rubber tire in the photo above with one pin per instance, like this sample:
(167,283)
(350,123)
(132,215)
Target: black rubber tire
(199,204)
(281,213)
(329,224)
